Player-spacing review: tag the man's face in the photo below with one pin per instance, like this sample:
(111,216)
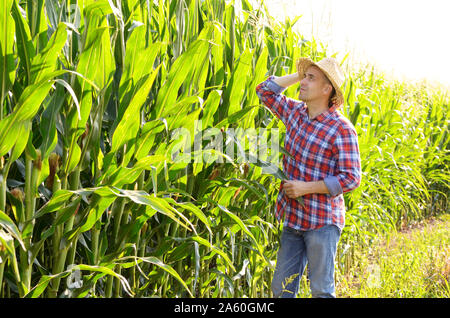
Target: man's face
(314,85)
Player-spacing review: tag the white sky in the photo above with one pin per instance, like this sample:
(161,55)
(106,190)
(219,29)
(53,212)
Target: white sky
(404,38)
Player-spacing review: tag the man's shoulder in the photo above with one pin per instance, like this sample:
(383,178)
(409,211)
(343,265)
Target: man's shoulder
(342,123)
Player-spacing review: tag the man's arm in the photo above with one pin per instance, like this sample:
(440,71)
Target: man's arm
(287,80)
(270,94)
(296,188)
(348,164)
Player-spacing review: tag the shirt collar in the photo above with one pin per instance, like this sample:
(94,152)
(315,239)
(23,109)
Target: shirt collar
(322,116)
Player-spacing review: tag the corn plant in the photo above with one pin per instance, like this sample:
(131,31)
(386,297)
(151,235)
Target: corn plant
(127,168)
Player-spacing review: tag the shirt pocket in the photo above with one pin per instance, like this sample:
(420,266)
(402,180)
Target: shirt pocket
(316,156)
(321,149)
(296,142)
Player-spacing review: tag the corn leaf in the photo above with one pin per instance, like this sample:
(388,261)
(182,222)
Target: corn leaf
(234,92)
(179,72)
(242,226)
(40,287)
(44,63)
(27,106)
(48,122)
(78,117)
(198,213)
(7,241)
(159,263)
(96,212)
(139,59)
(147,137)
(130,123)
(58,200)
(121,175)
(107,271)
(7,65)
(11,228)
(204,242)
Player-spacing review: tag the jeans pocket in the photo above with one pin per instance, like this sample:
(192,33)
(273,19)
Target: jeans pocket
(290,230)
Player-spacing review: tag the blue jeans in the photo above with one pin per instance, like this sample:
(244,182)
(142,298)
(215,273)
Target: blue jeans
(315,247)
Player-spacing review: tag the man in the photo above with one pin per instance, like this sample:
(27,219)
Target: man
(325,164)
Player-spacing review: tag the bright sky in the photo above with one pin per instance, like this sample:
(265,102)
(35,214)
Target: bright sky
(405,38)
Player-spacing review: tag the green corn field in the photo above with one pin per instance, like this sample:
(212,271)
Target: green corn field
(121,174)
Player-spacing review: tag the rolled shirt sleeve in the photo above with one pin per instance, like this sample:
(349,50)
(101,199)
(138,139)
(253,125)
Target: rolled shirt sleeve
(333,185)
(274,87)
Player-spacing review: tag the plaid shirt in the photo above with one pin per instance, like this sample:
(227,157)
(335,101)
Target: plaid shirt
(324,148)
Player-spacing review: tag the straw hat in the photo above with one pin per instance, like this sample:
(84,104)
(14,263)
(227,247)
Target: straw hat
(330,67)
